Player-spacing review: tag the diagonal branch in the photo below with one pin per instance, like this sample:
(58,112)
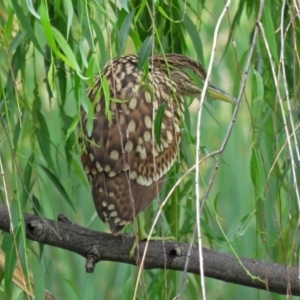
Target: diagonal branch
(96,246)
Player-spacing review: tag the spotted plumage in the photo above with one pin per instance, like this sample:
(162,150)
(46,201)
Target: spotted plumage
(124,163)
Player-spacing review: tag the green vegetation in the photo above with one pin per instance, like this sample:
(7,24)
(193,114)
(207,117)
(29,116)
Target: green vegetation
(51,50)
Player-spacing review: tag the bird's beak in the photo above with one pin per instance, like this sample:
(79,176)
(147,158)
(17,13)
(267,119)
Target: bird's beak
(216,93)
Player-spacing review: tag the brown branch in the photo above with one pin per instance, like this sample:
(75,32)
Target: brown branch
(96,246)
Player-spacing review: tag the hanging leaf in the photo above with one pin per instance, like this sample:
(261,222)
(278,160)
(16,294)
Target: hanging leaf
(158,123)
(145,52)
(43,137)
(195,37)
(270,30)
(124,32)
(26,24)
(58,185)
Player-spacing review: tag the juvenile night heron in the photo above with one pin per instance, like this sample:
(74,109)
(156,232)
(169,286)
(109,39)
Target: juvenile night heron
(125,163)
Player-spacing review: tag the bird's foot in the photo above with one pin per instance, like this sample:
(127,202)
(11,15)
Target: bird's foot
(143,236)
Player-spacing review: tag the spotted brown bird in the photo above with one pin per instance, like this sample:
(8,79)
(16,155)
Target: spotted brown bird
(125,160)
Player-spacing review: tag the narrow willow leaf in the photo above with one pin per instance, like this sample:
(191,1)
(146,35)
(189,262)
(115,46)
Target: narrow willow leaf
(77,167)
(124,32)
(36,206)
(26,24)
(58,185)
(69,131)
(69,8)
(195,37)
(27,179)
(260,220)
(258,86)
(158,123)
(237,78)
(100,40)
(140,10)
(90,69)
(254,167)
(17,129)
(136,40)
(38,276)
(145,51)
(235,23)
(105,88)
(10,262)
(72,127)
(70,58)
(27,171)
(43,137)
(195,78)
(270,31)
(32,9)
(82,54)
(88,108)
(216,202)
(256,172)
(124,5)
(8,30)
(244,224)
(161,10)
(47,28)
(51,76)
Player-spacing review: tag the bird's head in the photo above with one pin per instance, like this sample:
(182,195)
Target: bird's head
(189,76)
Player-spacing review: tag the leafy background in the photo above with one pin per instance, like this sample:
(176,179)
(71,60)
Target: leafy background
(51,50)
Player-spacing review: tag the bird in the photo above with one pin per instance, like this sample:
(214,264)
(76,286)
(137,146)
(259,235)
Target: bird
(135,135)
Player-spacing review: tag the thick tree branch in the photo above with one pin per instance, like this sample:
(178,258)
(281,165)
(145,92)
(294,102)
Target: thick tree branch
(96,246)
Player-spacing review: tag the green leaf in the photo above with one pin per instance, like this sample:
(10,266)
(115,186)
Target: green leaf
(243,225)
(43,137)
(27,179)
(260,220)
(69,8)
(105,87)
(28,170)
(136,40)
(256,172)
(39,278)
(100,40)
(87,106)
(158,123)
(124,5)
(58,185)
(270,30)
(161,10)
(258,86)
(51,76)
(32,9)
(123,35)
(82,54)
(26,24)
(10,262)
(145,52)
(47,28)
(72,127)
(36,206)
(69,57)
(17,129)
(195,78)
(195,37)
(216,202)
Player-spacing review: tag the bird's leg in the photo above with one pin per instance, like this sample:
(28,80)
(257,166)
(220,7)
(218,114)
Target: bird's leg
(142,235)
